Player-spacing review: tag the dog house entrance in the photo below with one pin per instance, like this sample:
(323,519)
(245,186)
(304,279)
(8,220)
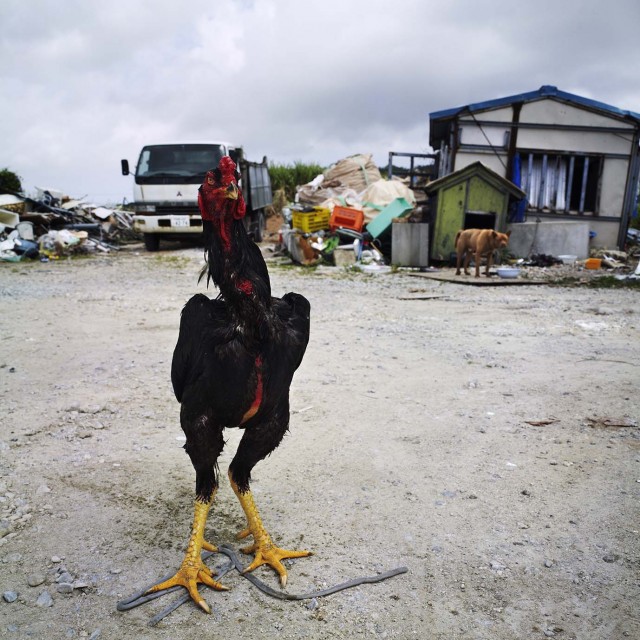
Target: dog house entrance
(480,220)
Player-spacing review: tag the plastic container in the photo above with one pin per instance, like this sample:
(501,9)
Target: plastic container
(311,221)
(25,230)
(346,218)
(593,263)
(568,259)
(508,272)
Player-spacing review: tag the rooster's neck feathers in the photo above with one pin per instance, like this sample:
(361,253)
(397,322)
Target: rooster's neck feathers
(234,262)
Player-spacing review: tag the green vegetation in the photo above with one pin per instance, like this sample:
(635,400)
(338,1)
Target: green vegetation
(10,181)
(288,177)
(602,282)
(611,282)
(172,260)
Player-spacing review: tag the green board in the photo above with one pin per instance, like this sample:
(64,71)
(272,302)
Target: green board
(398,208)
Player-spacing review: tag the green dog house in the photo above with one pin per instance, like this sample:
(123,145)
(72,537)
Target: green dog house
(472,198)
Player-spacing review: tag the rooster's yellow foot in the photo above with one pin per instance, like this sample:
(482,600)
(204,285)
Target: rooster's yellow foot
(189,576)
(268,553)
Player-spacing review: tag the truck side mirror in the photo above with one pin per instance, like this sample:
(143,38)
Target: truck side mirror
(125,167)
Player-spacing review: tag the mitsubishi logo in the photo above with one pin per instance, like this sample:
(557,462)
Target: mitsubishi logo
(178,195)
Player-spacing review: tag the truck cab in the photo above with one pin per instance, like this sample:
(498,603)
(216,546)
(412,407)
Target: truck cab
(166,182)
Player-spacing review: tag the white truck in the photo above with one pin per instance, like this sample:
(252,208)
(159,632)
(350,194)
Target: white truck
(165,191)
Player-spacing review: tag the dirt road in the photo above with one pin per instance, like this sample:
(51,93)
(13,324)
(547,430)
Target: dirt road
(482,437)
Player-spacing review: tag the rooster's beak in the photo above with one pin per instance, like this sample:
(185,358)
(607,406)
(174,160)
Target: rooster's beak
(232,191)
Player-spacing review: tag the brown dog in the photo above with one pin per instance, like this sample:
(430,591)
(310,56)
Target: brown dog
(478,242)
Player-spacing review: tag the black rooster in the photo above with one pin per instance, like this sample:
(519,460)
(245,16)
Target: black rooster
(232,367)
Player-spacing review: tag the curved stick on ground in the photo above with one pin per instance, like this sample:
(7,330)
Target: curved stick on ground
(140,598)
(281,595)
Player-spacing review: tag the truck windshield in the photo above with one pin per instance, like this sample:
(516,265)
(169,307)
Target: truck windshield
(177,162)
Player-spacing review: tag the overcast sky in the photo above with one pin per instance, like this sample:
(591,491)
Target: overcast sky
(87,82)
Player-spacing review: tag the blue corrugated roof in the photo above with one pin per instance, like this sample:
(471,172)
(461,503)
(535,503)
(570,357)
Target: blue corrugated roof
(543,92)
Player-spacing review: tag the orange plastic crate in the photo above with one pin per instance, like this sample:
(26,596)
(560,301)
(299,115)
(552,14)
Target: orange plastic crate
(346,218)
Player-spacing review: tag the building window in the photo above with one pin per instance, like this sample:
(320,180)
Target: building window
(561,182)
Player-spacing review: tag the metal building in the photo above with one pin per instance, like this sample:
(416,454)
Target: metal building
(575,158)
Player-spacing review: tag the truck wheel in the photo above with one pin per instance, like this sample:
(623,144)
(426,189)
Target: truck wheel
(258,234)
(151,242)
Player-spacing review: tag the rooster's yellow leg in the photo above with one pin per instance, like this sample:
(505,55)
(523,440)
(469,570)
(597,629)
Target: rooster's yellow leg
(193,571)
(265,551)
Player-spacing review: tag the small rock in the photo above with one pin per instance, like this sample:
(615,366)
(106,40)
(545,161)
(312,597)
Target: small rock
(36,579)
(548,564)
(44,599)
(13,557)
(56,559)
(116,571)
(64,587)
(312,604)
(603,311)
(95,635)
(497,566)
(10,596)
(64,577)
(81,584)
(611,557)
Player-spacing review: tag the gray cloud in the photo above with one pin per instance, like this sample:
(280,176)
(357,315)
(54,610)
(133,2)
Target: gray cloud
(86,82)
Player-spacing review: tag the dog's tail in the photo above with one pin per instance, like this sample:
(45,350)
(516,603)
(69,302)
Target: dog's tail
(455,244)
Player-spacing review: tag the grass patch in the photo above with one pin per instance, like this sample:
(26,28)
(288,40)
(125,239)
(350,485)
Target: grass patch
(611,282)
(602,282)
(172,260)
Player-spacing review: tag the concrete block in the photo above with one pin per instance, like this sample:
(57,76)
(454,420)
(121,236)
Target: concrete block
(410,244)
(550,237)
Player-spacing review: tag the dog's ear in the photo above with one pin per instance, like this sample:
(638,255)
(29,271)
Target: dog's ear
(509,233)
(494,233)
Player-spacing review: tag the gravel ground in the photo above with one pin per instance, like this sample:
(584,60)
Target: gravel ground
(485,438)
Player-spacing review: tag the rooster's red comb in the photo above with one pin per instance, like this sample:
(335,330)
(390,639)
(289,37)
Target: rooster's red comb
(227,168)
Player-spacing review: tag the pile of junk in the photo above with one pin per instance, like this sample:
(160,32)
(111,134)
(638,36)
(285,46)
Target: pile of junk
(344,216)
(51,225)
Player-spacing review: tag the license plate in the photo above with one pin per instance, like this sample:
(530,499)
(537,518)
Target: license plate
(180,221)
